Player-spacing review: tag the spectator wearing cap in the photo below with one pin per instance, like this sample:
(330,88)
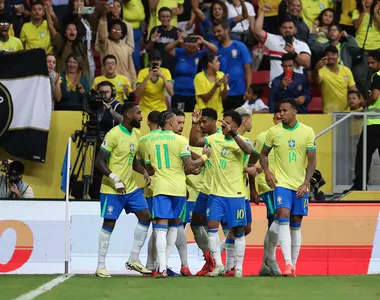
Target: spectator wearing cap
(18,11)
(11,184)
(120,82)
(290,85)
(36,33)
(7,42)
(152,82)
(278,45)
(335,81)
(111,41)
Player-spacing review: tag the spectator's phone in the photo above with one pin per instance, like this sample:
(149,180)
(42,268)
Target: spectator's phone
(288,39)
(86,10)
(190,40)
(289,74)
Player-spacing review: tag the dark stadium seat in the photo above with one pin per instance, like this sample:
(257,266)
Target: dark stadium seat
(315,106)
(260,77)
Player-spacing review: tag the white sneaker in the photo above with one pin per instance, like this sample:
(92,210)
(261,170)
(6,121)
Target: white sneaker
(238,273)
(219,270)
(102,272)
(137,266)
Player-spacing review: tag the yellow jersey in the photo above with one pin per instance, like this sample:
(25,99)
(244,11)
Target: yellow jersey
(373,38)
(153,96)
(245,175)
(290,146)
(227,179)
(209,169)
(202,86)
(13,44)
(122,147)
(258,144)
(194,183)
(348,6)
(164,152)
(148,190)
(273,3)
(312,8)
(334,88)
(134,13)
(34,36)
(118,82)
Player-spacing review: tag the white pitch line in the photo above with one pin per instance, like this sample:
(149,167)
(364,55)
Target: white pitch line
(44,288)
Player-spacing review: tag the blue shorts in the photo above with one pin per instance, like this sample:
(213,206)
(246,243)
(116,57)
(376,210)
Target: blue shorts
(286,198)
(111,205)
(200,207)
(168,207)
(189,211)
(268,199)
(232,208)
(149,200)
(248,211)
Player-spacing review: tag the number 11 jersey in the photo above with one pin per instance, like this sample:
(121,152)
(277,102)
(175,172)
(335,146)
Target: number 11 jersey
(164,152)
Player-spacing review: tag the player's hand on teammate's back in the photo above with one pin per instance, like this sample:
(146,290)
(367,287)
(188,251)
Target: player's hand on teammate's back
(254,197)
(301,191)
(147,179)
(270,179)
(206,150)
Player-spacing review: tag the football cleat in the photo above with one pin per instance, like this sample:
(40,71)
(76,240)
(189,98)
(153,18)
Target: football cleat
(102,272)
(137,266)
(171,273)
(203,271)
(265,271)
(238,273)
(231,272)
(218,271)
(161,275)
(289,271)
(185,271)
(273,267)
(153,274)
(210,261)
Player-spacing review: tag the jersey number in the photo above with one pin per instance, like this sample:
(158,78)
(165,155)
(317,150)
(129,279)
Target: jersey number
(292,156)
(240,214)
(166,156)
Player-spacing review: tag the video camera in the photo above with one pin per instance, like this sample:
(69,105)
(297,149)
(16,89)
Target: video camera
(13,171)
(94,103)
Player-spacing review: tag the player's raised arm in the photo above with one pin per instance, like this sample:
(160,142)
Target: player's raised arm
(190,165)
(196,138)
(245,146)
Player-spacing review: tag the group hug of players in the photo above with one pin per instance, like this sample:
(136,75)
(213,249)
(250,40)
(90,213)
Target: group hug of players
(217,165)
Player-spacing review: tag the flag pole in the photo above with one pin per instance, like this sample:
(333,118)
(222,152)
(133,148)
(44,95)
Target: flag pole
(67,217)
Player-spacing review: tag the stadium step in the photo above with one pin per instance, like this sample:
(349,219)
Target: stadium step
(361,196)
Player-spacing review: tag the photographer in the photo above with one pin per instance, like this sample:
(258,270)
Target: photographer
(11,183)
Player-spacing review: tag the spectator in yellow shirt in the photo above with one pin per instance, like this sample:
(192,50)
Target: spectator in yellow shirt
(120,82)
(312,8)
(152,83)
(36,34)
(7,42)
(211,85)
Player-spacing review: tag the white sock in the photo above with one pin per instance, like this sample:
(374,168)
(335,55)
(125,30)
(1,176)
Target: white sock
(171,237)
(214,245)
(273,240)
(181,244)
(161,232)
(152,254)
(230,253)
(240,250)
(141,232)
(200,237)
(104,241)
(285,241)
(266,247)
(223,246)
(296,243)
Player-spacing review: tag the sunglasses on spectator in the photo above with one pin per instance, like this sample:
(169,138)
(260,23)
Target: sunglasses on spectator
(117,30)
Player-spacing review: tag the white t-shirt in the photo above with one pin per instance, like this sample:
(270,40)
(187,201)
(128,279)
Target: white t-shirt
(255,106)
(276,44)
(237,11)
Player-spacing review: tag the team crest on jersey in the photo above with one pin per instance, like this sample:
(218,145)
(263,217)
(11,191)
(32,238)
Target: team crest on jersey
(300,87)
(109,210)
(131,147)
(279,200)
(322,6)
(119,83)
(345,78)
(234,53)
(207,212)
(291,143)
(224,152)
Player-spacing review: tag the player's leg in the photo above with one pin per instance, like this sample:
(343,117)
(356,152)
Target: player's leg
(137,204)
(181,242)
(283,201)
(110,206)
(215,211)
(230,254)
(300,208)
(152,254)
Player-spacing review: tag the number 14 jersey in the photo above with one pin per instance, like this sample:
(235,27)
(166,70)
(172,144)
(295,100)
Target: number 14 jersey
(227,179)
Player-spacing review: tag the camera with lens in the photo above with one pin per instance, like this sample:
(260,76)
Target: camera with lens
(13,171)
(94,103)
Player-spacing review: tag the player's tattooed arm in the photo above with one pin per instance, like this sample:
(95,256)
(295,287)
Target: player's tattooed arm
(101,162)
(246,147)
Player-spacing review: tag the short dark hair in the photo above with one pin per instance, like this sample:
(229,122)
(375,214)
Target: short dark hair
(164,116)
(357,93)
(288,56)
(235,116)
(205,60)
(223,22)
(286,20)
(257,89)
(178,113)
(123,27)
(153,116)
(127,106)
(276,109)
(109,56)
(291,101)
(37,2)
(106,83)
(331,49)
(165,9)
(335,25)
(210,113)
(374,54)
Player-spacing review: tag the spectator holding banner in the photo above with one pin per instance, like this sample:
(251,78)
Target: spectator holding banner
(11,183)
